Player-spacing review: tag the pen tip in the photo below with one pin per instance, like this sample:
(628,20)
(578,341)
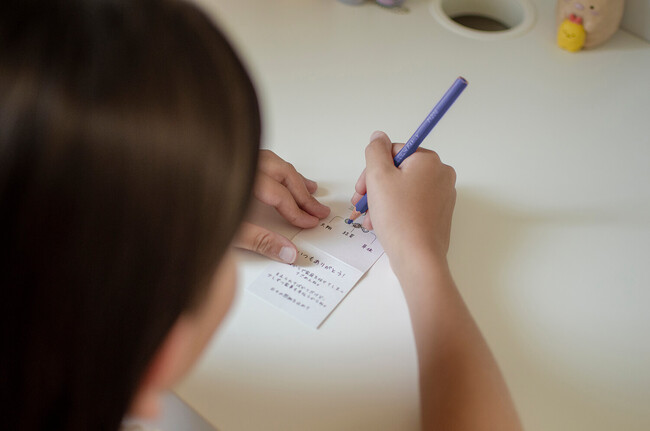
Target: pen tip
(353,216)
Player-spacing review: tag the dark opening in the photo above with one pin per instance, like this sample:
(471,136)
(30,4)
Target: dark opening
(479,22)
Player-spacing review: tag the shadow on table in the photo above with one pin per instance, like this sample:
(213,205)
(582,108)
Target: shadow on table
(487,239)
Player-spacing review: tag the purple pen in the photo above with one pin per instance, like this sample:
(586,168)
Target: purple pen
(414,142)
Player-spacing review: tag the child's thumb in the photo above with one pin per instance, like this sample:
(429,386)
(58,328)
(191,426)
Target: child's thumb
(265,242)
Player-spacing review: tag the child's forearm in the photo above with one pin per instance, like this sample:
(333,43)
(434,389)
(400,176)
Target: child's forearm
(461,387)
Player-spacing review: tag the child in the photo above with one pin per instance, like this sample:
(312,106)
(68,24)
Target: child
(129,135)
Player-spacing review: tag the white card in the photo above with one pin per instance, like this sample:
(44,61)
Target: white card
(332,257)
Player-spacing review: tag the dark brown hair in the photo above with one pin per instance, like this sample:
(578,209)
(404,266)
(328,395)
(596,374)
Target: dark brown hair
(128,142)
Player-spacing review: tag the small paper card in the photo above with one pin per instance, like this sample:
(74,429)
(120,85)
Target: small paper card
(332,257)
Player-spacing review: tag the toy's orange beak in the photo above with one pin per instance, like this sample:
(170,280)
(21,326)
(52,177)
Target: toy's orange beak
(575,18)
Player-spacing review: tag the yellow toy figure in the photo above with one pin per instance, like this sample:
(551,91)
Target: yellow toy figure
(587,23)
(571,35)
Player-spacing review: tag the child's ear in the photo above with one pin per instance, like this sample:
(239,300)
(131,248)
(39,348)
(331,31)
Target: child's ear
(168,364)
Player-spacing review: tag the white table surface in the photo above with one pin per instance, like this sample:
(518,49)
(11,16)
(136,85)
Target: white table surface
(551,235)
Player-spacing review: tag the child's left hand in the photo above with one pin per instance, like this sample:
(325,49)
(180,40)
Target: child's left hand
(280,185)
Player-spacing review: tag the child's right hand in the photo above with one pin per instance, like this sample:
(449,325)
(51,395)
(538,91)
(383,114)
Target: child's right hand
(411,206)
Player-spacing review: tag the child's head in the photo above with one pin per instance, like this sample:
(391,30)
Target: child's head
(128,141)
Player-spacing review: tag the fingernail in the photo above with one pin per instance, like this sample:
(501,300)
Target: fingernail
(287,254)
(376,135)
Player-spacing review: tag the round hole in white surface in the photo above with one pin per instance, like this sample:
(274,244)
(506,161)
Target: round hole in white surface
(485,19)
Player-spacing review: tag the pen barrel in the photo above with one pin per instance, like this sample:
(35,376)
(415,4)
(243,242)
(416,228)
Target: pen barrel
(425,128)
(362,205)
(432,119)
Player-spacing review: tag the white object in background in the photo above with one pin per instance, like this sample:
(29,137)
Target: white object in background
(636,18)
(600,19)
(517,15)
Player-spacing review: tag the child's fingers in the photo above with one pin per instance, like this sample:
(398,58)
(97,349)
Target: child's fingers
(367,221)
(301,188)
(265,242)
(311,185)
(397,147)
(295,183)
(275,194)
(379,153)
(360,187)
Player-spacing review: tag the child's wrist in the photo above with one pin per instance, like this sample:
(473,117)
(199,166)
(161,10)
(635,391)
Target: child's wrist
(422,260)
